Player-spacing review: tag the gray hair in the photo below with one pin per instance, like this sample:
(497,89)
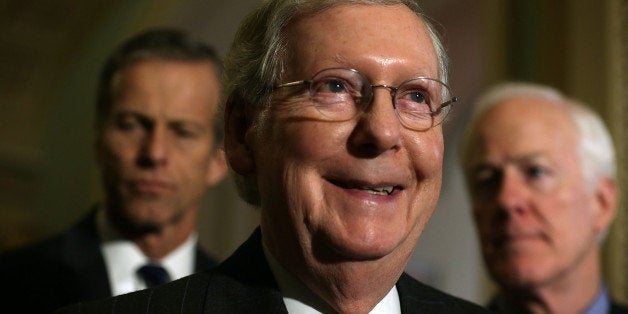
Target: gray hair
(595,145)
(256,60)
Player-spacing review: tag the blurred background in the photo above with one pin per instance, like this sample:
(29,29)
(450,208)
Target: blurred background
(51,53)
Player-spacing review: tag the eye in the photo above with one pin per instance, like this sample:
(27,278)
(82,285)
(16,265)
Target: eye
(535,171)
(332,85)
(417,96)
(336,86)
(184,133)
(336,91)
(186,130)
(130,122)
(487,179)
(413,98)
(541,177)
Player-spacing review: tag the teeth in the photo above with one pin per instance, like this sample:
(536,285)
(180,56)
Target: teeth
(386,190)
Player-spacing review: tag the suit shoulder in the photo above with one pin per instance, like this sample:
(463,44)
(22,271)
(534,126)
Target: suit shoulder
(618,308)
(44,253)
(421,298)
(185,295)
(54,247)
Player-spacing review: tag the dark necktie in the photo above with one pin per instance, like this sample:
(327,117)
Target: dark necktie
(153,275)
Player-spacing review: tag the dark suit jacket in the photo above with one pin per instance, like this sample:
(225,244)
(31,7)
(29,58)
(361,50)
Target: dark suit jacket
(62,270)
(244,284)
(617,308)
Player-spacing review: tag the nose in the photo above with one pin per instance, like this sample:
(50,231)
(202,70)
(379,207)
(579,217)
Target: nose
(155,148)
(511,196)
(378,129)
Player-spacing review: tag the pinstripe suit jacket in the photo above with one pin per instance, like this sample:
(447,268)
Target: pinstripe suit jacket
(62,270)
(244,284)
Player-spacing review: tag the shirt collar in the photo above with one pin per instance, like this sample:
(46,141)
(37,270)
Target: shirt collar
(601,304)
(298,298)
(123,258)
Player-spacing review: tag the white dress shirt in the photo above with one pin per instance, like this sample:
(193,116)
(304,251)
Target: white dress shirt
(299,299)
(123,258)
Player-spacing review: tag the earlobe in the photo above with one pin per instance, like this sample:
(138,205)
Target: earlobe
(606,200)
(236,146)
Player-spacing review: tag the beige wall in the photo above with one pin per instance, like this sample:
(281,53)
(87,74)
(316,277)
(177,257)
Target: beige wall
(616,112)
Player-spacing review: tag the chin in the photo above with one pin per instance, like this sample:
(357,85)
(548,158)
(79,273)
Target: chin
(148,217)
(518,274)
(352,247)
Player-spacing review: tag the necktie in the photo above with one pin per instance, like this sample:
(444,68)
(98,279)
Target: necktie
(153,275)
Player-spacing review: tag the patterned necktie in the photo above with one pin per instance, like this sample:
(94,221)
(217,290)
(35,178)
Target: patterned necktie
(153,275)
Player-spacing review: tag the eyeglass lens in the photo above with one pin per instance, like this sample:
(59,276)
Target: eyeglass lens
(341,93)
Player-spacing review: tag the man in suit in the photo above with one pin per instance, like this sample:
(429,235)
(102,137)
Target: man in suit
(333,114)
(157,146)
(540,169)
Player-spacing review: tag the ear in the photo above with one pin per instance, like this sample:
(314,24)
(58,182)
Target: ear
(236,146)
(217,168)
(605,195)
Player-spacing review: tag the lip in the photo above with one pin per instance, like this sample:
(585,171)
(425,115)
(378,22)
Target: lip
(385,188)
(512,239)
(150,186)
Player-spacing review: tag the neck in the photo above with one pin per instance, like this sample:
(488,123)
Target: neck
(348,286)
(565,294)
(355,287)
(157,242)
(157,245)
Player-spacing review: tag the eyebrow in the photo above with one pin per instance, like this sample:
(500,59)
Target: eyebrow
(528,157)
(516,160)
(183,121)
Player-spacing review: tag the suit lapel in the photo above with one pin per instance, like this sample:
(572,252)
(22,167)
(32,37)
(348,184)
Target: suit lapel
(249,281)
(202,261)
(85,261)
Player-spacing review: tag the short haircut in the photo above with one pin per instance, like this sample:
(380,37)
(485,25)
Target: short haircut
(167,44)
(259,52)
(595,146)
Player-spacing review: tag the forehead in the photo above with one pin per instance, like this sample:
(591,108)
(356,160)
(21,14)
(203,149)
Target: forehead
(355,35)
(525,126)
(167,86)
(168,72)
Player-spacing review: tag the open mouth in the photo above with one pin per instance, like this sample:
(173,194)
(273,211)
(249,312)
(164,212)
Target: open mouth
(375,190)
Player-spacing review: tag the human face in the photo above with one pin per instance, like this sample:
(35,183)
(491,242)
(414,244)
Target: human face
(537,220)
(156,148)
(320,182)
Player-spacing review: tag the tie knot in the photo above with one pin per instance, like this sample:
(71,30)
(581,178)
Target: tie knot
(153,275)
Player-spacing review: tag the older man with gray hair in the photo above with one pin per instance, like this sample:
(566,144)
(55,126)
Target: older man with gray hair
(333,113)
(540,169)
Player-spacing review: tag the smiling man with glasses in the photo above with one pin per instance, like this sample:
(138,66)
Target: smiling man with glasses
(333,131)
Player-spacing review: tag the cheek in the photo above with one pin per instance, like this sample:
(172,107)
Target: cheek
(426,152)
(118,148)
(316,141)
(486,221)
(113,157)
(575,213)
(301,143)
(193,169)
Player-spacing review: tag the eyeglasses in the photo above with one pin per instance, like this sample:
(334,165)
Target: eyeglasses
(341,94)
